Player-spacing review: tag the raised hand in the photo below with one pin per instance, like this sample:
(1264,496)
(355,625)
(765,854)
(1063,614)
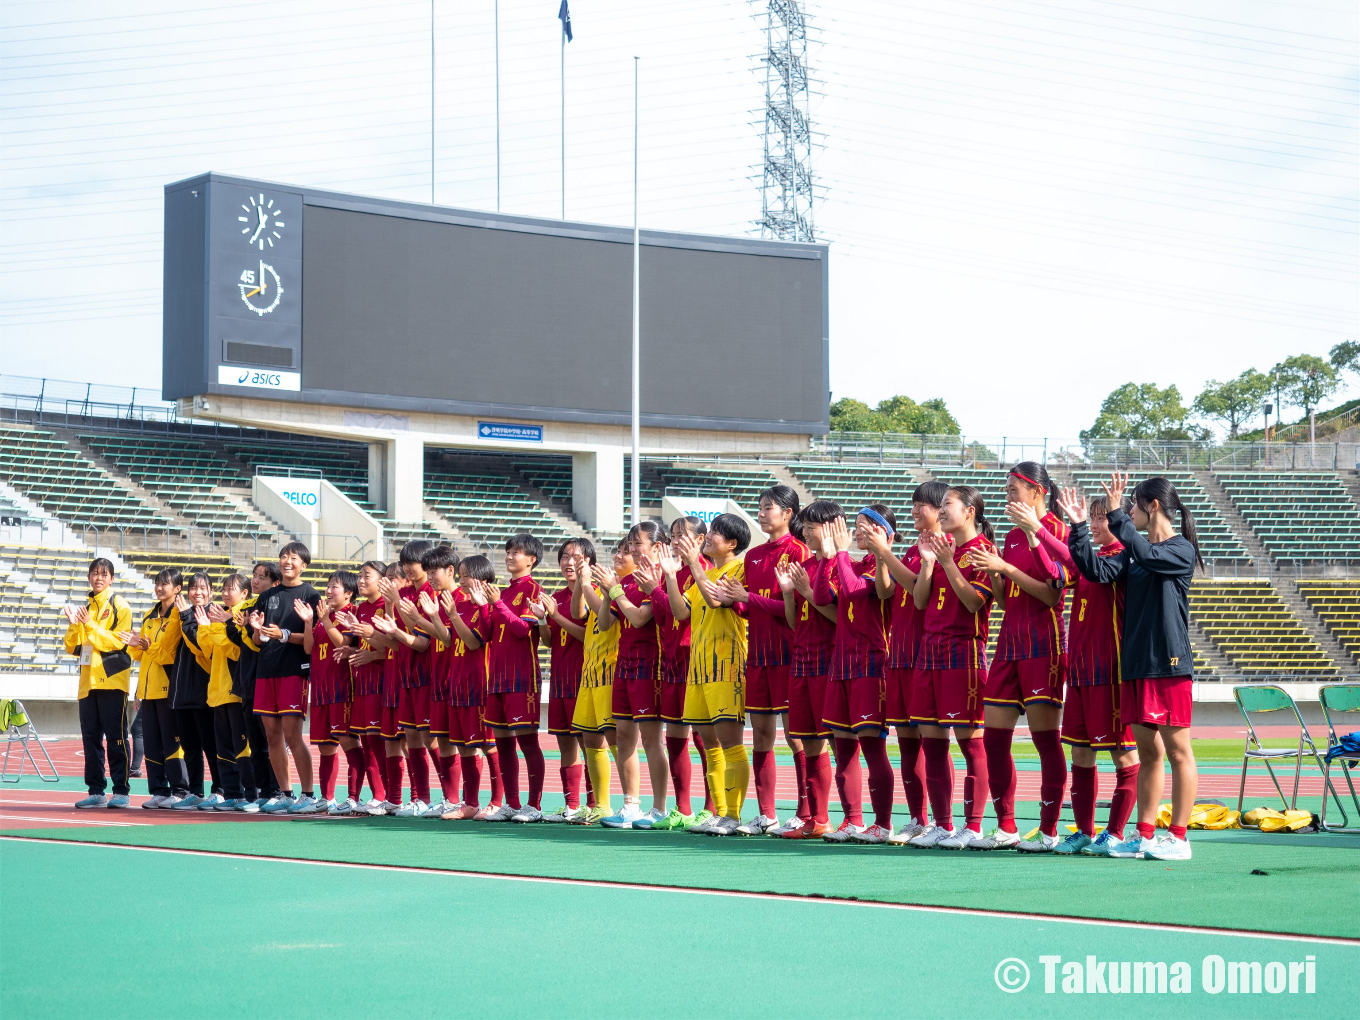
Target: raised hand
(714,593)
(669,563)
(1071,503)
(802,583)
(1114,489)
(201,616)
(256,619)
(1024,517)
(688,548)
(734,591)
(389,588)
(181,603)
(446,599)
(219,614)
(604,576)
(70,612)
(346,619)
(493,593)
(840,536)
(783,573)
(539,609)
(878,541)
(477,592)
(304,611)
(385,625)
(986,558)
(428,606)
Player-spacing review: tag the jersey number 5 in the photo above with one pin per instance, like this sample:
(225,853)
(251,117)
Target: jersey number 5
(939,603)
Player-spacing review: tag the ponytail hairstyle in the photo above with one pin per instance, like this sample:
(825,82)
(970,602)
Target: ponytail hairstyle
(784,497)
(969,496)
(1161,490)
(1037,475)
(695,527)
(883,511)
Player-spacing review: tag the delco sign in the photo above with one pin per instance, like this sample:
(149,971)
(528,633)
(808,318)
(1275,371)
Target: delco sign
(304,494)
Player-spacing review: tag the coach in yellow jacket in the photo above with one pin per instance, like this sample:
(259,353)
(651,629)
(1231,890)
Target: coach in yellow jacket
(105,671)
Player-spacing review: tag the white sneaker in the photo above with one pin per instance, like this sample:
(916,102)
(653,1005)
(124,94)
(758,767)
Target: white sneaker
(997,839)
(350,806)
(757,826)
(873,834)
(958,839)
(307,804)
(843,834)
(560,817)
(908,832)
(501,814)
(437,810)
(1168,848)
(375,807)
(527,815)
(151,803)
(791,824)
(624,819)
(1039,844)
(723,826)
(168,801)
(412,810)
(931,838)
(1135,846)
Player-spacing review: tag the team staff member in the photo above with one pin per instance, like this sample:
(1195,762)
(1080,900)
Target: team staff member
(262,577)
(189,700)
(92,635)
(209,636)
(156,646)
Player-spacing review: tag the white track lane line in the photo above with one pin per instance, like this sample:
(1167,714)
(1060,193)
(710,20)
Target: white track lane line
(6,816)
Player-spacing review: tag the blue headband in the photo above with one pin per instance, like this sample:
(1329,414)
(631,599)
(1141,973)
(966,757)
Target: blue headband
(877,518)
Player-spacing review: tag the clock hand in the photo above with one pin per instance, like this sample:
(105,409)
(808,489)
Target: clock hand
(255,291)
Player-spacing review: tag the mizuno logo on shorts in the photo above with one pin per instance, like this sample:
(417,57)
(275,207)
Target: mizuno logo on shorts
(1156,715)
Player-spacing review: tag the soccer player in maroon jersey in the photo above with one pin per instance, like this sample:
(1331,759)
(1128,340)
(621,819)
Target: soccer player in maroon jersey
(855,706)
(383,629)
(426,614)
(951,663)
(469,615)
(674,635)
(565,635)
(896,581)
(1030,667)
(512,706)
(367,659)
(1092,718)
(637,681)
(767,658)
(330,695)
(814,635)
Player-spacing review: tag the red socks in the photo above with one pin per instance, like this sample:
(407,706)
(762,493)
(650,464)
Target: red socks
(913,777)
(393,780)
(418,768)
(882,782)
(1085,782)
(330,768)
(1123,799)
(819,787)
(354,763)
(762,764)
(849,780)
(974,782)
(534,765)
(472,779)
(699,746)
(1177,830)
(800,777)
(1001,775)
(493,766)
(1147,830)
(375,765)
(1052,779)
(571,784)
(939,780)
(448,779)
(505,747)
(682,769)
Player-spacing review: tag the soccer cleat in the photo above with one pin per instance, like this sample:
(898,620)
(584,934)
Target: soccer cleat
(1135,846)
(843,834)
(1039,843)
(188,802)
(94,800)
(461,813)
(527,815)
(561,817)
(673,820)
(757,826)
(348,806)
(930,839)
(279,804)
(627,815)
(1074,843)
(1168,848)
(412,810)
(210,802)
(791,824)
(307,804)
(959,838)
(701,822)
(119,800)
(908,832)
(997,839)
(501,814)
(873,834)
(1100,846)
(649,820)
(590,815)
(723,826)
(811,829)
(375,807)
(151,803)
(435,810)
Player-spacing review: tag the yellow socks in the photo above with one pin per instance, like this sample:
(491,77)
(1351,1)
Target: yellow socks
(597,764)
(737,778)
(715,776)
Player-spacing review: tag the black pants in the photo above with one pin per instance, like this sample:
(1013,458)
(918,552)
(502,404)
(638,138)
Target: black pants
(197,739)
(103,716)
(165,769)
(233,752)
(135,740)
(266,782)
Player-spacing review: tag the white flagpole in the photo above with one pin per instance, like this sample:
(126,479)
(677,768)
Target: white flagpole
(563,87)
(637,316)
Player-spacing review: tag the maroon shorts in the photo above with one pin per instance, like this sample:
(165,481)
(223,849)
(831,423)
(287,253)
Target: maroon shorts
(807,695)
(856,705)
(638,699)
(1016,683)
(365,714)
(439,718)
(947,697)
(468,728)
(280,695)
(329,723)
(560,711)
(898,708)
(767,689)
(1093,717)
(413,713)
(1158,701)
(672,702)
(390,727)
(517,710)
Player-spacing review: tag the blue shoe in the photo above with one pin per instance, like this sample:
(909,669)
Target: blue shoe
(234,804)
(649,819)
(188,803)
(211,802)
(118,800)
(1074,843)
(278,805)
(94,800)
(629,815)
(1101,845)
(1134,846)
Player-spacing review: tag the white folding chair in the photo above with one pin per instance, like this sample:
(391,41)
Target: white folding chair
(19,729)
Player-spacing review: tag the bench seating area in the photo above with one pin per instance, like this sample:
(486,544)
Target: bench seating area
(1300,516)
(1255,629)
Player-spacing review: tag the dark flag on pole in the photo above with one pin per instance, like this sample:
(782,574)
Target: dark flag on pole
(564,15)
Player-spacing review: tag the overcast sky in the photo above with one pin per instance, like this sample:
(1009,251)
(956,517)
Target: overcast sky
(1028,203)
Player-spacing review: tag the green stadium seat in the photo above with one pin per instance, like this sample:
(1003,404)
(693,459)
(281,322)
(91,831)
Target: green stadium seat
(1300,516)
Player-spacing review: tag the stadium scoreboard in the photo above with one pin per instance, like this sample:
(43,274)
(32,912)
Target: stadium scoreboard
(318,297)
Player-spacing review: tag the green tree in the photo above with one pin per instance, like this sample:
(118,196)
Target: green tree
(896,414)
(850,415)
(1307,380)
(1234,401)
(1142,411)
(1345,357)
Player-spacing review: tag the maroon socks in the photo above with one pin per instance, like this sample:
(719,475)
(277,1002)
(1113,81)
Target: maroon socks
(375,765)
(1001,777)
(974,782)
(471,767)
(939,780)
(330,768)
(849,780)
(1085,782)
(505,747)
(418,767)
(534,765)
(882,782)
(762,764)
(393,779)
(571,784)
(819,787)
(354,763)
(1052,779)
(682,770)
(800,777)
(914,777)
(493,767)
(1123,799)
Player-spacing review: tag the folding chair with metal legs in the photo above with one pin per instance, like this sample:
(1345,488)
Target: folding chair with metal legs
(1263,698)
(1337,699)
(19,729)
